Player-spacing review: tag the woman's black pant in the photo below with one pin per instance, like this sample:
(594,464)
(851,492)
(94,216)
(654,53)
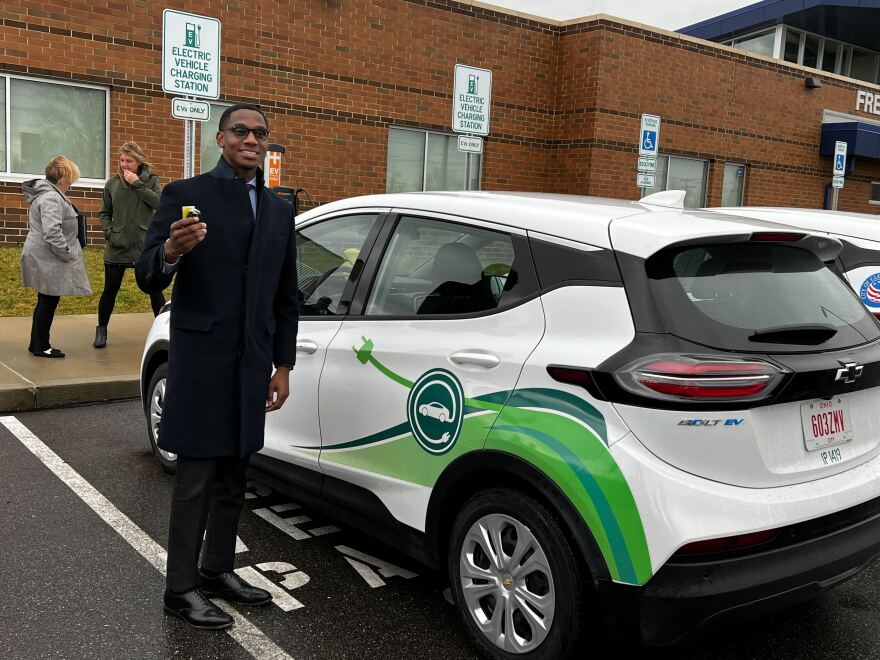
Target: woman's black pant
(112,281)
(44,313)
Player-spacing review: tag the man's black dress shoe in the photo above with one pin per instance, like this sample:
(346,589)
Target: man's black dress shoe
(48,353)
(232,588)
(193,607)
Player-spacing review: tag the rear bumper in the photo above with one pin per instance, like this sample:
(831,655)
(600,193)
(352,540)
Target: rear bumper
(683,599)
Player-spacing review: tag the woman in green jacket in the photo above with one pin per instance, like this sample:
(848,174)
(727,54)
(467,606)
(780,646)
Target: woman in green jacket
(130,198)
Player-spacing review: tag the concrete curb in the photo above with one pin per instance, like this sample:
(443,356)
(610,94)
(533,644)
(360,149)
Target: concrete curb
(54,395)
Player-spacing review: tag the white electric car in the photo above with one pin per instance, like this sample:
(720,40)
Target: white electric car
(655,421)
(859,233)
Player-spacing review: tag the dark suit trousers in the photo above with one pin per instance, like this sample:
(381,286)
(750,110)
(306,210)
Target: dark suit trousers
(207,500)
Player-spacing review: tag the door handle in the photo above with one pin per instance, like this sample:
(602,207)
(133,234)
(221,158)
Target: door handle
(306,346)
(485,360)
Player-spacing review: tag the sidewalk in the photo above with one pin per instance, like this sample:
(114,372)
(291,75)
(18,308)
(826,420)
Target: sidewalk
(86,375)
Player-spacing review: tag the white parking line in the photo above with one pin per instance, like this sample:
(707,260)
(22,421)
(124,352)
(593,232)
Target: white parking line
(251,638)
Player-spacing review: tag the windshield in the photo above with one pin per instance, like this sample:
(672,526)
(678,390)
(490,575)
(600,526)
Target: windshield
(757,297)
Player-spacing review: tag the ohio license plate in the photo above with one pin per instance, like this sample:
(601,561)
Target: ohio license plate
(826,423)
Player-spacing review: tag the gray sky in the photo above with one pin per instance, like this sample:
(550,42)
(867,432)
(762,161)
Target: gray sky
(659,13)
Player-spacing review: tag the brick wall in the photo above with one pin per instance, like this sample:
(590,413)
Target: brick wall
(716,104)
(333,75)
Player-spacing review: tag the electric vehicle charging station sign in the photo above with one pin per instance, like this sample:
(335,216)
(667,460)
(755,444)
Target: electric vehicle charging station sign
(649,135)
(471,99)
(190,54)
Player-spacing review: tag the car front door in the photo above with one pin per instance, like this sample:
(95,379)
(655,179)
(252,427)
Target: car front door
(328,262)
(416,375)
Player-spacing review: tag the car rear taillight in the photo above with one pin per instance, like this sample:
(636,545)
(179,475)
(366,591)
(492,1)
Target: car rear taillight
(728,543)
(700,378)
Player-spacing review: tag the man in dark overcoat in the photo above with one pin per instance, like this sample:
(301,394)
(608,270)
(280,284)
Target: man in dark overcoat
(233,318)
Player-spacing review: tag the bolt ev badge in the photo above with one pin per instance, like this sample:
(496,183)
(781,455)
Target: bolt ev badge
(849,372)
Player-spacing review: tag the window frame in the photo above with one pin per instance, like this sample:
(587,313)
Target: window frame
(871,200)
(369,277)
(706,165)
(85,182)
(742,195)
(370,242)
(427,133)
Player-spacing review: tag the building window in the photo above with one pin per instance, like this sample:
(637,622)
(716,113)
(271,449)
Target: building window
(209,152)
(733,184)
(817,52)
(40,120)
(423,160)
(863,65)
(688,174)
(761,43)
(875,192)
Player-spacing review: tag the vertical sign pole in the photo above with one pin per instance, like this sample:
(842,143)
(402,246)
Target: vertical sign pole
(834,199)
(188,130)
(192,146)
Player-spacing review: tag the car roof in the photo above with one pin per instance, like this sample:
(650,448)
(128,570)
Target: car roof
(840,223)
(647,229)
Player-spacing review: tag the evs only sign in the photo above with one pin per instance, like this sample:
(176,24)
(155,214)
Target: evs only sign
(190,54)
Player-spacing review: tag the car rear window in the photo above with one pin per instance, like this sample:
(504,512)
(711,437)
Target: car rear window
(756,297)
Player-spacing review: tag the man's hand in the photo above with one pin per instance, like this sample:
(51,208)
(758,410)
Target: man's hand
(279,389)
(130,177)
(186,233)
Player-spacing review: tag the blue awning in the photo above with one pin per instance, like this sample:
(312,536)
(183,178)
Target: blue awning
(862,139)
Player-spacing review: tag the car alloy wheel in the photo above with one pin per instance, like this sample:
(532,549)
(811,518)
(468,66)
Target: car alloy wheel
(507,583)
(155,405)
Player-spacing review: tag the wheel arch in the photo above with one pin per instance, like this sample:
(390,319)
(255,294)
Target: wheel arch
(156,355)
(483,469)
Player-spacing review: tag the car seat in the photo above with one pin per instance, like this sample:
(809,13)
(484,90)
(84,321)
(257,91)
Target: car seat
(459,286)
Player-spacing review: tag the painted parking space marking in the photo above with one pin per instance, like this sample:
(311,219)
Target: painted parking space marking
(284,508)
(292,525)
(293,579)
(251,638)
(361,563)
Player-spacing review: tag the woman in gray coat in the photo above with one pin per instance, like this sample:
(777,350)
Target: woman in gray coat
(52,260)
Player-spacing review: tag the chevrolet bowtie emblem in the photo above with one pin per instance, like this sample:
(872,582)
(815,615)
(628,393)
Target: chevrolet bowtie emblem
(849,372)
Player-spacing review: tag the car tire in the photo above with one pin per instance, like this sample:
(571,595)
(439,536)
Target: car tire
(547,575)
(153,410)
(441,418)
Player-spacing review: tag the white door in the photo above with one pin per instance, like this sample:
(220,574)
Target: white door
(417,379)
(327,251)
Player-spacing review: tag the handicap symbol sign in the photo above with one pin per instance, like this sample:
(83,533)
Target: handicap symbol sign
(649,140)
(839,162)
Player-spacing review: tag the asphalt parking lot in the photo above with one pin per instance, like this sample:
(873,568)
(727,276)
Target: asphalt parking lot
(83,518)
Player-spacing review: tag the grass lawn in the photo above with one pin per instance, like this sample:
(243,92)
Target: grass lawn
(15,300)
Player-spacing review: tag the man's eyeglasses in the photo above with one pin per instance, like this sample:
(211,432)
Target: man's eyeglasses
(241,131)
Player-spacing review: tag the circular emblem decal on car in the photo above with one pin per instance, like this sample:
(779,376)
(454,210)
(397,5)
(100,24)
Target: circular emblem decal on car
(870,291)
(435,410)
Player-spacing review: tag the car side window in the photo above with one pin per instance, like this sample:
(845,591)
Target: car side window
(432,267)
(326,253)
